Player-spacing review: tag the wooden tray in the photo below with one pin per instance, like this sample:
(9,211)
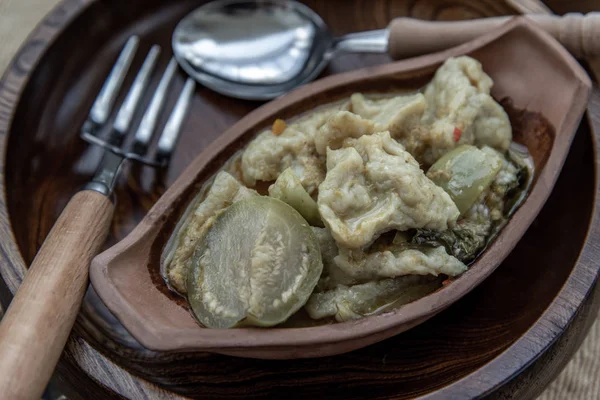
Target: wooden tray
(544,291)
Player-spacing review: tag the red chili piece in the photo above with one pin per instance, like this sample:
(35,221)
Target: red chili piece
(457,134)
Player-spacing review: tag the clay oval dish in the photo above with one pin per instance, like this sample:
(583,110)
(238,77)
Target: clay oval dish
(527,66)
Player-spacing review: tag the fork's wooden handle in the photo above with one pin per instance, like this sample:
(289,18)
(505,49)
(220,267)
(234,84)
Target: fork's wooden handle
(579,33)
(39,319)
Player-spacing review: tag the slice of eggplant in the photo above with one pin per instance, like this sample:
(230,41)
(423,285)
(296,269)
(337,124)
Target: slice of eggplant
(257,265)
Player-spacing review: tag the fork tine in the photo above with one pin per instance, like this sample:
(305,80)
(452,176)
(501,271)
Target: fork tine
(127,110)
(103,104)
(148,123)
(172,130)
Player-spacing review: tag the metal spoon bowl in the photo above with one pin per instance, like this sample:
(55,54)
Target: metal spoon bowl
(259,50)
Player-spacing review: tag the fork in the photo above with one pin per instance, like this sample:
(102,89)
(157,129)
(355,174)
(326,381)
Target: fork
(41,315)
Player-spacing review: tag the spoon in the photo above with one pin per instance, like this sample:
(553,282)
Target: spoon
(261,49)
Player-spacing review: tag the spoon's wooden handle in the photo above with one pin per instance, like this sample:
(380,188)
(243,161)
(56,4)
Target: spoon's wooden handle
(579,33)
(36,326)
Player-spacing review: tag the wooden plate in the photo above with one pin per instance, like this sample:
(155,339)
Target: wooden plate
(542,292)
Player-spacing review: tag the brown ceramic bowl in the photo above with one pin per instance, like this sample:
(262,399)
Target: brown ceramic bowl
(527,66)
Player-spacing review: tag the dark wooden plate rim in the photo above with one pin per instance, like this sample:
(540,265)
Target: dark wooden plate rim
(559,314)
